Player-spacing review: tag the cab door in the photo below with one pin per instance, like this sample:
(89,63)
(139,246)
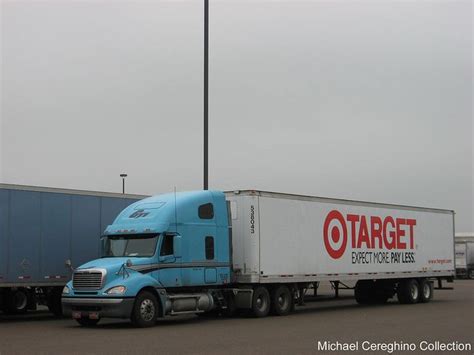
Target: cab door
(169,261)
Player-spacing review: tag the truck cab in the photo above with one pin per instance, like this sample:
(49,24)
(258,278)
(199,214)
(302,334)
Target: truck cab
(164,255)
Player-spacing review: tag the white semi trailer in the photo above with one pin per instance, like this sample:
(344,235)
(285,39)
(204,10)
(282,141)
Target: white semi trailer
(386,249)
(465,259)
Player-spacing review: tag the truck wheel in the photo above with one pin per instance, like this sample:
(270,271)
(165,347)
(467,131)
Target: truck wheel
(260,302)
(408,291)
(426,291)
(470,274)
(364,292)
(281,301)
(145,310)
(54,301)
(87,322)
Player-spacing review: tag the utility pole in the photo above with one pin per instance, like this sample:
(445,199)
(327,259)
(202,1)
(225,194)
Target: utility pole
(206,95)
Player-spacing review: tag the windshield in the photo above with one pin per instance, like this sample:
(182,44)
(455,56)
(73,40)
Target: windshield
(138,245)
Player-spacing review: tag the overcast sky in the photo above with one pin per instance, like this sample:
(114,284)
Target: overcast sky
(350,99)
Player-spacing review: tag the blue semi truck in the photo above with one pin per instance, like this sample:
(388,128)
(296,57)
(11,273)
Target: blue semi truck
(42,228)
(210,251)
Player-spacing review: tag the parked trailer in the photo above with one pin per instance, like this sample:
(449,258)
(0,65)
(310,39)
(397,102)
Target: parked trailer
(465,259)
(40,229)
(196,252)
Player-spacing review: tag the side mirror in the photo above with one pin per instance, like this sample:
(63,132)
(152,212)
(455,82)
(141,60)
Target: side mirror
(177,246)
(68,264)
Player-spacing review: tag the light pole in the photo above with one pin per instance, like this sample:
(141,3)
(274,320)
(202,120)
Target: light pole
(123,176)
(206,92)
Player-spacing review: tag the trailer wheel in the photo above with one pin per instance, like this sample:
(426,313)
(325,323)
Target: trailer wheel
(282,301)
(260,302)
(426,291)
(408,291)
(87,322)
(145,310)
(16,302)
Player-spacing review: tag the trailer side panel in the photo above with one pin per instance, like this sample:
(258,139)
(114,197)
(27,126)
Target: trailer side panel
(314,239)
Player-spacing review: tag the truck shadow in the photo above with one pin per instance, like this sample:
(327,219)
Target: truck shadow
(316,306)
(32,316)
(313,304)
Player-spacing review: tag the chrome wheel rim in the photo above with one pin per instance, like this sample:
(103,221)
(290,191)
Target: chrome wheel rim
(282,302)
(427,290)
(261,303)
(147,310)
(20,300)
(414,292)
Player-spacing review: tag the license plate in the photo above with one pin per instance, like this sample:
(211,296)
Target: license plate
(93,315)
(76,315)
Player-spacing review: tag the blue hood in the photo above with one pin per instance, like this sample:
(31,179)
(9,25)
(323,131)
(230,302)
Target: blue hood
(113,264)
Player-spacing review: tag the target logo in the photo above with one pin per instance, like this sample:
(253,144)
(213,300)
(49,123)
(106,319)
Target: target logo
(367,232)
(335,234)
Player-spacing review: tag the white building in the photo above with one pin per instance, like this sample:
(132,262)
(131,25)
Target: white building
(464,237)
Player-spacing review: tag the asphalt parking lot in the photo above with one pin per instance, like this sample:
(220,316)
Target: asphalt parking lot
(448,318)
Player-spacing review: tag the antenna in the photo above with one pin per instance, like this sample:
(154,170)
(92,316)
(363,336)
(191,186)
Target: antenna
(175,211)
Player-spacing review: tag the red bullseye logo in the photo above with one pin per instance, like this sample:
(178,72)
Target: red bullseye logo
(334,229)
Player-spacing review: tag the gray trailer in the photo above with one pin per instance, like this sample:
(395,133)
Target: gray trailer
(40,230)
(465,259)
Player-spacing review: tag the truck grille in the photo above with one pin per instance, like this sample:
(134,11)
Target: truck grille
(87,280)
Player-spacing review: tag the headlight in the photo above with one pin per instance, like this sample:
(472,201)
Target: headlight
(65,290)
(117,290)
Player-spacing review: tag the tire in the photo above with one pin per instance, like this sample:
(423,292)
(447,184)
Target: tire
(470,274)
(260,302)
(282,301)
(145,310)
(54,301)
(16,302)
(408,291)
(364,292)
(426,290)
(87,322)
